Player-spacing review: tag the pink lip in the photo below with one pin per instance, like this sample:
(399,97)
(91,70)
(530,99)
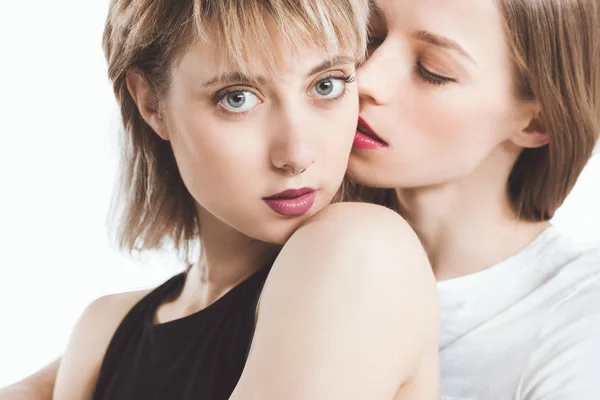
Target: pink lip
(292,202)
(365,138)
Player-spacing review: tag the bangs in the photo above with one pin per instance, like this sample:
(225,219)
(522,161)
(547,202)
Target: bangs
(247,32)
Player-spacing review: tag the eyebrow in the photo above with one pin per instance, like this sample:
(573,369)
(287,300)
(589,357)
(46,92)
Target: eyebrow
(234,77)
(442,41)
(332,62)
(258,79)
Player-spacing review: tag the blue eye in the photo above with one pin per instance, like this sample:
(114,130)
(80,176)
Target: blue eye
(239,101)
(329,88)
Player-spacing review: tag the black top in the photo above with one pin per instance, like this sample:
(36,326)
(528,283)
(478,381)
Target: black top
(200,356)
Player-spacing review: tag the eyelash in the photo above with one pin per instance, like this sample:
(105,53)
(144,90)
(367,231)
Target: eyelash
(226,92)
(431,78)
(345,78)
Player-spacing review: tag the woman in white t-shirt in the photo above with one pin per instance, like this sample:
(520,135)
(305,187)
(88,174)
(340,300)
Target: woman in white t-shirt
(481,115)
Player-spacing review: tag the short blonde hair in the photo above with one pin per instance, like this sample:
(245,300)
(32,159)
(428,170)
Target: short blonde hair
(153,206)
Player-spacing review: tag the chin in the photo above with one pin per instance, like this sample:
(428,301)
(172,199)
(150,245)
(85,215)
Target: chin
(277,229)
(392,176)
(277,232)
(373,178)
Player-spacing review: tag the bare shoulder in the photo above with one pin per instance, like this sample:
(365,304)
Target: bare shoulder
(350,306)
(352,214)
(348,244)
(80,366)
(101,318)
(363,233)
(113,307)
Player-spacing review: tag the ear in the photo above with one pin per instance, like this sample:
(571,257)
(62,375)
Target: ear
(531,129)
(146,101)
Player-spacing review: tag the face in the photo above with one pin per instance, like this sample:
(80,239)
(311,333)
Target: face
(262,153)
(436,90)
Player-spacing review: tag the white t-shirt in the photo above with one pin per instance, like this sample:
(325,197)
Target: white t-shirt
(526,328)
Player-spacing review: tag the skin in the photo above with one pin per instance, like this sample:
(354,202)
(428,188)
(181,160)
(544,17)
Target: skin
(38,386)
(286,126)
(438,90)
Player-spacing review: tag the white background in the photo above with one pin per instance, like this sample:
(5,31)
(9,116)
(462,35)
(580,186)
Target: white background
(57,166)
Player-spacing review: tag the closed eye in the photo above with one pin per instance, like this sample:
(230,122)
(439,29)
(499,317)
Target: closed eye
(432,78)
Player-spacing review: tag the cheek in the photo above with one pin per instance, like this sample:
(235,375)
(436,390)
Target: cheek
(342,124)
(460,127)
(334,136)
(436,135)
(450,128)
(212,158)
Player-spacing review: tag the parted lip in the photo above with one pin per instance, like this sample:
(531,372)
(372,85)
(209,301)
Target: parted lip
(365,129)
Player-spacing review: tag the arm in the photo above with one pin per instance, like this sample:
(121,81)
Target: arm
(81,363)
(38,386)
(349,311)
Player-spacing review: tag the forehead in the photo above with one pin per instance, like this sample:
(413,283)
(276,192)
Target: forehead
(475,24)
(204,62)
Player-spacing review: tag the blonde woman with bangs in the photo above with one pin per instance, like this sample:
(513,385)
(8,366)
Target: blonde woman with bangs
(238,120)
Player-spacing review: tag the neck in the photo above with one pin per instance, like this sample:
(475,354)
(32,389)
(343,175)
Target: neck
(468,225)
(227,258)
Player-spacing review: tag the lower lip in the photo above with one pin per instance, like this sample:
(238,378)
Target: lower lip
(362,141)
(293,207)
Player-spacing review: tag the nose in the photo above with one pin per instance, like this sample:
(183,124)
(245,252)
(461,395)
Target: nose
(292,151)
(379,78)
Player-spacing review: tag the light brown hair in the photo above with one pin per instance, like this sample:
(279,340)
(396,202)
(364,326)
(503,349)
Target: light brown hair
(153,205)
(555,45)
